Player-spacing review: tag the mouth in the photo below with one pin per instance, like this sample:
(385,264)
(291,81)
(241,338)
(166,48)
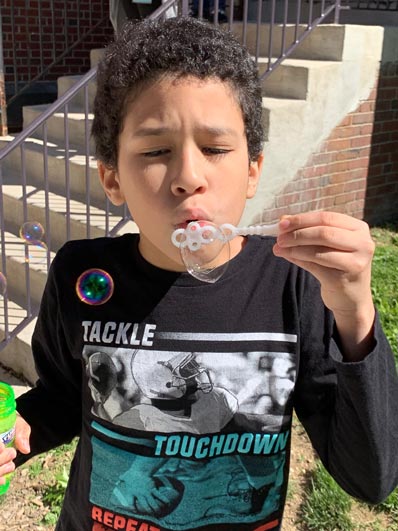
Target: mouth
(201,220)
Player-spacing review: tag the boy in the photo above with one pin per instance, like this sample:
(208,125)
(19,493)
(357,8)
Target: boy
(182,392)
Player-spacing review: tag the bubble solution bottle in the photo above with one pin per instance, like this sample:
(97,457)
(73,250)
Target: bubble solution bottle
(8,417)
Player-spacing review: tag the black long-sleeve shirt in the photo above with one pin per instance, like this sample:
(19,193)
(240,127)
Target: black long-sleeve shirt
(182,392)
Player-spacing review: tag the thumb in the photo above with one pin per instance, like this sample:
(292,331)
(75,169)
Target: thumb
(22,435)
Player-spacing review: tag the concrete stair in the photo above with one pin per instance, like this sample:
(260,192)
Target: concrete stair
(72,218)
(303,99)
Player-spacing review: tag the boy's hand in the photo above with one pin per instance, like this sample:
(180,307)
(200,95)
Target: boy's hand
(338,250)
(7,455)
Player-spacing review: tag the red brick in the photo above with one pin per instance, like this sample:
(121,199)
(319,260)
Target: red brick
(338,145)
(346,132)
(309,195)
(364,140)
(366,106)
(367,129)
(336,178)
(358,163)
(355,185)
(287,199)
(360,194)
(363,118)
(344,198)
(337,167)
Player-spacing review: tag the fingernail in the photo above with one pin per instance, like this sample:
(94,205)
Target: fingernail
(25,446)
(284,222)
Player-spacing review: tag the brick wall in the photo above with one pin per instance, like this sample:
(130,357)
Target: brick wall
(41,32)
(381,201)
(355,170)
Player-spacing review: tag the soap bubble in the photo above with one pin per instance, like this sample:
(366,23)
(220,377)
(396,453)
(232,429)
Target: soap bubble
(31,231)
(3,285)
(94,286)
(36,252)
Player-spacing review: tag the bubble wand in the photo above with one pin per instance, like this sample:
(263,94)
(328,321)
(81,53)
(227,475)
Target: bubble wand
(204,244)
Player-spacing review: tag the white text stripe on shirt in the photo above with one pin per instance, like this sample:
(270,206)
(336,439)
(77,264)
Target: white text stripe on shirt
(253,336)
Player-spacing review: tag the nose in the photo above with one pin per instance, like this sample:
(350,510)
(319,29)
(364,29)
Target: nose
(189,176)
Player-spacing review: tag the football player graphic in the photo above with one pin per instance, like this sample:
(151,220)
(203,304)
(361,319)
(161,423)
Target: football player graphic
(177,395)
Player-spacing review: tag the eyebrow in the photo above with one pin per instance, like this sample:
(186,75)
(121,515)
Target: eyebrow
(159,131)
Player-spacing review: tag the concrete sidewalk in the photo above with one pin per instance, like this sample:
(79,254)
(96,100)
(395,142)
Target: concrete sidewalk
(18,385)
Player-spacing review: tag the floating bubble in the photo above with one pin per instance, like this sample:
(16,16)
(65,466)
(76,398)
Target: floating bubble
(3,285)
(94,286)
(35,252)
(31,231)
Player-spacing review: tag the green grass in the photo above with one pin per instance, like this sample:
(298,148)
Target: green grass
(385,281)
(54,465)
(390,507)
(53,497)
(326,507)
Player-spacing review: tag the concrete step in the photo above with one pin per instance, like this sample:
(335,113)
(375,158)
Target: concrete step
(64,83)
(17,354)
(35,205)
(16,314)
(34,167)
(294,78)
(25,263)
(324,43)
(18,383)
(56,125)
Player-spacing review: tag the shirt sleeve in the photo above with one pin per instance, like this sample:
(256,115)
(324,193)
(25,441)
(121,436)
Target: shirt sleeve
(349,410)
(53,407)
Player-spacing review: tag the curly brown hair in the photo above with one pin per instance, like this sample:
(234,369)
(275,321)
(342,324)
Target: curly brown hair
(146,50)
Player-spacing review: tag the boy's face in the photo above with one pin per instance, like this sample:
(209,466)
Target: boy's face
(183,156)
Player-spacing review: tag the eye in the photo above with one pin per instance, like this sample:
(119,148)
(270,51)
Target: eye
(155,153)
(215,151)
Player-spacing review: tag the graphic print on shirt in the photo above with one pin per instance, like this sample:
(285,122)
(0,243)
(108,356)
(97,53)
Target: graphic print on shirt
(212,427)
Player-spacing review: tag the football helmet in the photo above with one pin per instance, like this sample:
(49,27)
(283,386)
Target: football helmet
(169,375)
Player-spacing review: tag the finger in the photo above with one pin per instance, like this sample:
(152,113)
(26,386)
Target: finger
(7,455)
(321,235)
(6,469)
(322,256)
(323,218)
(22,435)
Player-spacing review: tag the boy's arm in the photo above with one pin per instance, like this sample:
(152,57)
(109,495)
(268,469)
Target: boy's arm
(349,410)
(53,407)
(347,392)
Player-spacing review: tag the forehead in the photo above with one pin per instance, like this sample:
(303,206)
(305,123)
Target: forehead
(202,98)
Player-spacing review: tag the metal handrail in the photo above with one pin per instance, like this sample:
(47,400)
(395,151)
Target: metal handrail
(52,109)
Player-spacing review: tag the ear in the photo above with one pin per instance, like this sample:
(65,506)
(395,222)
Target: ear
(110,183)
(254,176)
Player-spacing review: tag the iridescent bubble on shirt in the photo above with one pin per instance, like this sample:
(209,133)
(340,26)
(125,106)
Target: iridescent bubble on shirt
(94,286)
(31,231)
(3,285)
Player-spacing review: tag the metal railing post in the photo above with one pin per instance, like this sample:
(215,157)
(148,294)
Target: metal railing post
(3,105)
(185,8)
(337,10)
